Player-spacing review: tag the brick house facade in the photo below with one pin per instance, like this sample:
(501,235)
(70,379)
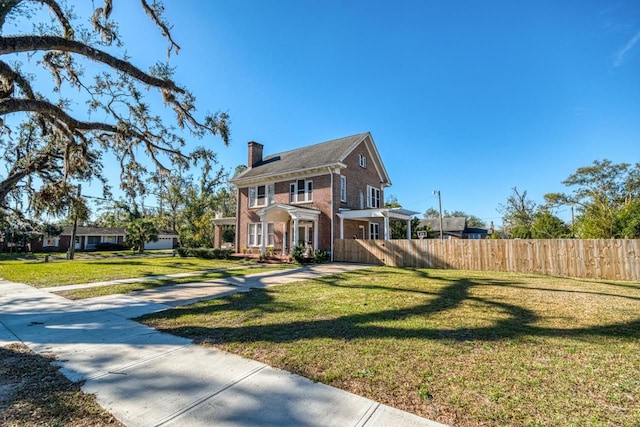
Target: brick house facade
(313,195)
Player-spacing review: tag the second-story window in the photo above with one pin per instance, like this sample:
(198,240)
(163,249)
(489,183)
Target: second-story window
(343,188)
(261,195)
(373,197)
(301,191)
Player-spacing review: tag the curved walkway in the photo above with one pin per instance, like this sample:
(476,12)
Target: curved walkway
(148,378)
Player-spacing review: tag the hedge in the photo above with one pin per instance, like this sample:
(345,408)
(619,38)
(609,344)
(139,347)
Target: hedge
(206,253)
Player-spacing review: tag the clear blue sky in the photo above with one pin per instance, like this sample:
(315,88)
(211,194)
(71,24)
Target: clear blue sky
(470,98)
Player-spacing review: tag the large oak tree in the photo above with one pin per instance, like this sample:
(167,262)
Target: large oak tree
(49,144)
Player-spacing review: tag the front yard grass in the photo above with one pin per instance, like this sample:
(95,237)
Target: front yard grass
(125,288)
(463,348)
(57,273)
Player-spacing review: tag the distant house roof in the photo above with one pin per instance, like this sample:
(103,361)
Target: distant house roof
(106,231)
(455,224)
(94,231)
(325,154)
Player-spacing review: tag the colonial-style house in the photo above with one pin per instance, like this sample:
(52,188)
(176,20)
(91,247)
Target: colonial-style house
(312,195)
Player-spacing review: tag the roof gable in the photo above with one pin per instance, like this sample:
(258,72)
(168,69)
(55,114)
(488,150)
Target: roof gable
(324,154)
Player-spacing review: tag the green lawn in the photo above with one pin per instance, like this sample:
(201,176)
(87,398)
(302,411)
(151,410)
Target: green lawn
(463,348)
(124,288)
(97,269)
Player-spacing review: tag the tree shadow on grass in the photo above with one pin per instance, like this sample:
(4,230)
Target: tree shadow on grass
(518,321)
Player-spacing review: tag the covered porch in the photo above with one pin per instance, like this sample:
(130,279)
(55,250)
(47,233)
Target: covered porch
(292,226)
(385,215)
(218,223)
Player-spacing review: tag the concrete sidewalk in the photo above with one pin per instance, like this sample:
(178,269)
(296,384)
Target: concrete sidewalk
(148,378)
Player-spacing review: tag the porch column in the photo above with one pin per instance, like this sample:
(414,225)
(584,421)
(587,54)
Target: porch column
(263,247)
(315,235)
(295,234)
(341,228)
(217,231)
(285,244)
(409,230)
(387,235)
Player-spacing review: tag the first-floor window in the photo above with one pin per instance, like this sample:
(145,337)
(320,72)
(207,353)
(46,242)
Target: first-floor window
(92,241)
(255,234)
(270,240)
(50,241)
(374,231)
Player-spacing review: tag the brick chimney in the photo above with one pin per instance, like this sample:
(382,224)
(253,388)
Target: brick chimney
(255,153)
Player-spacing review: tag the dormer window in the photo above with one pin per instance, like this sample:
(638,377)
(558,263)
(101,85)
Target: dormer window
(362,160)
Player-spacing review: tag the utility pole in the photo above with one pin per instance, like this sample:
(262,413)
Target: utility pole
(440,209)
(72,244)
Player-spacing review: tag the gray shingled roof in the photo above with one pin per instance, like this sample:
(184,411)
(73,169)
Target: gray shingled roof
(105,231)
(101,231)
(449,224)
(322,154)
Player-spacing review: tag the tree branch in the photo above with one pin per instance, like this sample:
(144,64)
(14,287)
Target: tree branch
(162,25)
(8,106)
(17,44)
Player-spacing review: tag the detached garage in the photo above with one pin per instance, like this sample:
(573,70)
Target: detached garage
(166,240)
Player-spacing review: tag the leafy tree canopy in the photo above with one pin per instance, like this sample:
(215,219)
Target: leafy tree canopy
(49,142)
(517,215)
(605,195)
(139,231)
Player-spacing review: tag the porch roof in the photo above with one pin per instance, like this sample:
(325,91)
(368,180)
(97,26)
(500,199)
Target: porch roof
(395,213)
(280,211)
(225,221)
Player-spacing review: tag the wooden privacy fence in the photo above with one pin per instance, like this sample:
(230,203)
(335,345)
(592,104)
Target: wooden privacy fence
(614,259)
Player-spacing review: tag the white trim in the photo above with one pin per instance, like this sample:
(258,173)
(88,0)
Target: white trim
(51,241)
(307,191)
(374,155)
(332,214)
(286,176)
(255,234)
(362,160)
(376,226)
(370,198)
(269,195)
